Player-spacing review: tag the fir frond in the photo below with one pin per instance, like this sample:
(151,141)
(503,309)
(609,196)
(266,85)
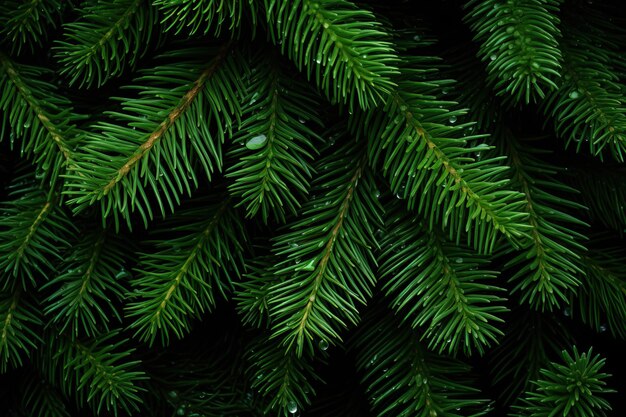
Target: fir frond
(251,293)
(574,386)
(326,256)
(20,328)
(341,46)
(547,269)
(217,384)
(530,342)
(154,146)
(601,302)
(589,109)
(205,16)
(403,378)
(108,36)
(197,250)
(26,23)
(40,119)
(34,232)
(520,42)
(82,291)
(274,147)
(438,286)
(603,190)
(284,378)
(41,399)
(99,371)
(430,164)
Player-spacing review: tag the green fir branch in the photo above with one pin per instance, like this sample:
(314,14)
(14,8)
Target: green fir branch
(88,285)
(38,116)
(530,342)
(206,16)
(519,41)
(589,110)
(439,287)
(41,399)
(284,378)
(26,23)
(403,378)
(342,47)
(20,328)
(274,147)
(547,270)
(326,256)
(574,386)
(601,302)
(148,155)
(431,165)
(99,371)
(108,36)
(34,233)
(196,253)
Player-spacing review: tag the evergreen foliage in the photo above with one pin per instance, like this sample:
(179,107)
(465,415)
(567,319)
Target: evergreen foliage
(312,207)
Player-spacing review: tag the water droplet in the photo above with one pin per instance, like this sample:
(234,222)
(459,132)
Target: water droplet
(603,328)
(292,407)
(567,312)
(452,119)
(173,394)
(417,38)
(27,123)
(254,97)
(493,57)
(310,266)
(257,142)
(445,91)
(323,344)
(574,94)
(458,260)
(123,274)
(181,411)
(301,120)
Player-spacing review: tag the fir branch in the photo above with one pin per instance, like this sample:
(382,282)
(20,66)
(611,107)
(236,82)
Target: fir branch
(574,386)
(520,41)
(38,115)
(204,16)
(603,190)
(109,36)
(41,399)
(20,325)
(334,40)
(182,276)
(431,165)
(160,139)
(325,271)
(530,342)
(81,300)
(35,231)
(274,148)
(439,286)
(252,292)
(26,23)
(285,379)
(589,108)
(547,269)
(403,378)
(601,302)
(98,371)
